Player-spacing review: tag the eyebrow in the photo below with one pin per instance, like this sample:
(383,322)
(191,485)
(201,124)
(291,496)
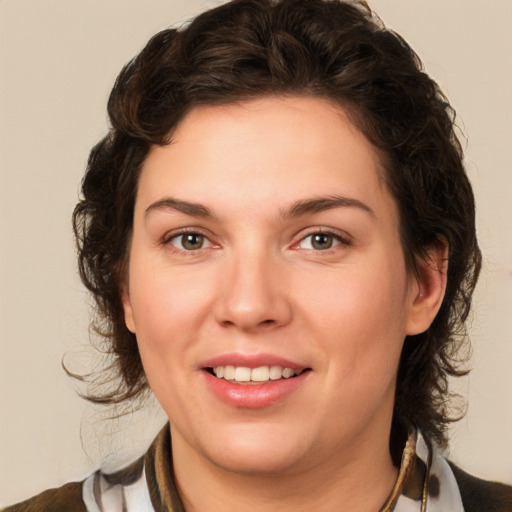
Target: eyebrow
(186,207)
(297,209)
(320,204)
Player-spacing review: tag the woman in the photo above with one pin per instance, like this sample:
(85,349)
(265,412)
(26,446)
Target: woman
(279,234)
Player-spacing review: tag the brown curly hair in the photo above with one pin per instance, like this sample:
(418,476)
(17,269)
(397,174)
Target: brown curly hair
(323,48)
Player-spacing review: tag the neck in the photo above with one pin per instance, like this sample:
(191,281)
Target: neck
(360,481)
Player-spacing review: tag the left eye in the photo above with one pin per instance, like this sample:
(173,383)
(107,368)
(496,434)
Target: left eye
(190,241)
(319,241)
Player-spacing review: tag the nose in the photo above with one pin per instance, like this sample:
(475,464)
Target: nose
(253,295)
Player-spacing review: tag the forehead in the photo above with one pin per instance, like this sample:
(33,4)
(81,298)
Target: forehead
(271,150)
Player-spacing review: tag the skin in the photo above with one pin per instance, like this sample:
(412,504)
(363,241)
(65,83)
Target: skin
(257,284)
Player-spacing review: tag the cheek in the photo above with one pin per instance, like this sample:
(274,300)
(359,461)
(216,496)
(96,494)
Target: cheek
(169,310)
(360,317)
(165,313)
(166,298)
(357,299)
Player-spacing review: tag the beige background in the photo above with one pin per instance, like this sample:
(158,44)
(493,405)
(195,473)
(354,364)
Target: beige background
(58,61)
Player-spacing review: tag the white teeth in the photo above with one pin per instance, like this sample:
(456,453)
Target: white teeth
(276,372)
(242,374)
(229,372)
(260,374)
(288,372)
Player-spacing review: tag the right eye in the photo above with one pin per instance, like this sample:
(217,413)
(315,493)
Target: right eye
(189,241)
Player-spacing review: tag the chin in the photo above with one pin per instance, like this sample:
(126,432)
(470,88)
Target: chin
(256,463)
(263,452)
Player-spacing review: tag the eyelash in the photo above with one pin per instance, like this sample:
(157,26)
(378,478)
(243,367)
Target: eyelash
(168,239)
(341,240)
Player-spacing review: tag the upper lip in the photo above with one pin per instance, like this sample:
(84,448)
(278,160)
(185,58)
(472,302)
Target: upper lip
(251,361)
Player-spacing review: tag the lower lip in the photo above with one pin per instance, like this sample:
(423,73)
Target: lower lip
(254,396)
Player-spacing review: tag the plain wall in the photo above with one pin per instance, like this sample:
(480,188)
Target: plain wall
(58,61)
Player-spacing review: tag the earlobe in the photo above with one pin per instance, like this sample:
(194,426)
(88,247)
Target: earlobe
(128,310)
(427,289)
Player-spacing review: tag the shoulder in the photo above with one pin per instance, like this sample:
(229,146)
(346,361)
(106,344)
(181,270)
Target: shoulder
(482,495)
(63,499)
(89,493)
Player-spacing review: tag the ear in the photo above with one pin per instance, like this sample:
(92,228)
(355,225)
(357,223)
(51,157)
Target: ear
(427,289)
(128,310)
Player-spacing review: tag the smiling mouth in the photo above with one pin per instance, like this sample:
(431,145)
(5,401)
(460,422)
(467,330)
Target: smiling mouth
(259,375)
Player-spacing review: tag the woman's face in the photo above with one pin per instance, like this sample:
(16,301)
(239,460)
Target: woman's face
(266,244)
